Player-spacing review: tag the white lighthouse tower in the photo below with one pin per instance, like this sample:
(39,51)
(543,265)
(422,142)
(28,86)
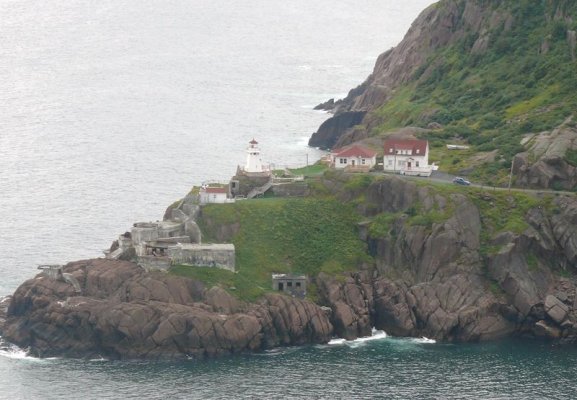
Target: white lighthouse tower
(253,160)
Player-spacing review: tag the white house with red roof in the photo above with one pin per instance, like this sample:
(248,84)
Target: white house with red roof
(407,157)
(214,194)
(353,158)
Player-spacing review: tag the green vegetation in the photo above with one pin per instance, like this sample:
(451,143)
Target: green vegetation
(502,211)
(571,157)
(359,182)
(282,236)
(524,81)
(314,170)
(381,225)
(532,262)
(320,233)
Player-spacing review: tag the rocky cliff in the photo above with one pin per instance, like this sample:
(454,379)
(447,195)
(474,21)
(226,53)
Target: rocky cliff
(491,74)
(448,274)
(450,264)
(124,312)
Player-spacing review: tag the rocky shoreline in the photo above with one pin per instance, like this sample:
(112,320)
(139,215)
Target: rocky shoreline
(433,280)
(124,312)
(439,266)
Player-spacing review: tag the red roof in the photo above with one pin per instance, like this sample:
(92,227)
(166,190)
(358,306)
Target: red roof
(354,151)
(216,190)
(416,146)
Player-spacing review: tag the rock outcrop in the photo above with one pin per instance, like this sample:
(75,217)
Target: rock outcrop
(438,271)
(125,312)
(544,164)
(332,129)
(434,28)
(436,280)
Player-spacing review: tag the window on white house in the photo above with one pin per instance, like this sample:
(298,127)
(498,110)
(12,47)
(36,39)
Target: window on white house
(343,160)
(362,161)
(390,163)
(417,163)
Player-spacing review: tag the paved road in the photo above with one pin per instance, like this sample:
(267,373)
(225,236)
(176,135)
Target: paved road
(443,177)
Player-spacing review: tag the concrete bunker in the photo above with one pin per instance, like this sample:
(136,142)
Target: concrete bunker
(295,285)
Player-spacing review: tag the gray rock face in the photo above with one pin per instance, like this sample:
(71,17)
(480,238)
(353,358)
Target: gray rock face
(544,164)
(434,281)
(332,129)
(124,312)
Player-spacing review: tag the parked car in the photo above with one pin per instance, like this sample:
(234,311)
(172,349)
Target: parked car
(460,181)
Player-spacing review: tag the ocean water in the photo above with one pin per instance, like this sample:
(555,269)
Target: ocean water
(384,368)
(111,110)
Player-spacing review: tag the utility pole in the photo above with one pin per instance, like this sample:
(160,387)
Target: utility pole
(511,173)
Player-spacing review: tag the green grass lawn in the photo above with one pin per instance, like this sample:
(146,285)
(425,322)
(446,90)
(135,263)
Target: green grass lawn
(310,171)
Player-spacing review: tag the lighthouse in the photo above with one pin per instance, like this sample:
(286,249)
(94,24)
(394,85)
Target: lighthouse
(253,160)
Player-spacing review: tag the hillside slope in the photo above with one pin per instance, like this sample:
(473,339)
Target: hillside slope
(499,75)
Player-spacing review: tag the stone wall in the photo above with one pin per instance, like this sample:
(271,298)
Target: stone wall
(204,255)
(144,232)
(295,189)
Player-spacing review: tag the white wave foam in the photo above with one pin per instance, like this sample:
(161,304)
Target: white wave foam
(8,350)
(375,335)
(379,335)
(424,339)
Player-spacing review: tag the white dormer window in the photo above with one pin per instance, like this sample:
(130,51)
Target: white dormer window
(417,151)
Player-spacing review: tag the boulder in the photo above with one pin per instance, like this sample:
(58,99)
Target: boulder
(545,331)
(556,309)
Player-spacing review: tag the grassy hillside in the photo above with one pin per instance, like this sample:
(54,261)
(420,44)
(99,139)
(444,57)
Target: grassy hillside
(282,236)
(522,80)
